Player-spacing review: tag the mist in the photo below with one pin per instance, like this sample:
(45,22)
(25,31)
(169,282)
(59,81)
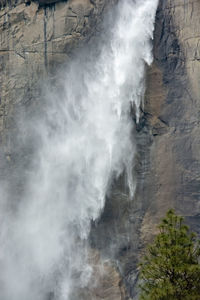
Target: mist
(81,140)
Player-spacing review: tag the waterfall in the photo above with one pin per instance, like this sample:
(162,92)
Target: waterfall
(84,140)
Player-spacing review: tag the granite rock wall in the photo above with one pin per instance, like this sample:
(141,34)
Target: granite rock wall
(167,165)
(36,38)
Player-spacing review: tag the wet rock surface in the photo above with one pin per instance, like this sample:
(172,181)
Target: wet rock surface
(168,138)
(172,111)
(36,38)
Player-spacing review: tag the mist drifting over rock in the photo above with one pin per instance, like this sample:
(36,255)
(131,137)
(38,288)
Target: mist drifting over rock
(83,140)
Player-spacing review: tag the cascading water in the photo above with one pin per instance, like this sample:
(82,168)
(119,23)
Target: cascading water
(85,140)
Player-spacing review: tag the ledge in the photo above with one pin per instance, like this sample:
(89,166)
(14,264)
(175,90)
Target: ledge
(13,3)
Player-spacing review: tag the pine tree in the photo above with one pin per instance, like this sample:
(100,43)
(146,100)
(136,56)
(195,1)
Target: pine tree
(171,268)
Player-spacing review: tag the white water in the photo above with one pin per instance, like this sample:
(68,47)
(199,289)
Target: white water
(85,140)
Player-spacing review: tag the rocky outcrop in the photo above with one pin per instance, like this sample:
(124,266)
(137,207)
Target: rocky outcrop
(106,281)
(35,39)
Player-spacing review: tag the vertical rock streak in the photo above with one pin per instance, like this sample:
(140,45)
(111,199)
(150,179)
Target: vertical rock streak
(84,139)
(45,38)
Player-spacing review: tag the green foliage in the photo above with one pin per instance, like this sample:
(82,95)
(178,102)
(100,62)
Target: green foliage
(171,269)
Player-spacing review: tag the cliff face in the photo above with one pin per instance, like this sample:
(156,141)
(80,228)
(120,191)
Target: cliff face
(172,114)
(36,39)
(168,138)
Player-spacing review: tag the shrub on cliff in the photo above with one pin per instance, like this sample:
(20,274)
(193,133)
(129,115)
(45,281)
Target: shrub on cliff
(171,268)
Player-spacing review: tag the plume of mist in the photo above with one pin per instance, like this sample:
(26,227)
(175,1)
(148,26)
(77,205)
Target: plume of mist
(82,139)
